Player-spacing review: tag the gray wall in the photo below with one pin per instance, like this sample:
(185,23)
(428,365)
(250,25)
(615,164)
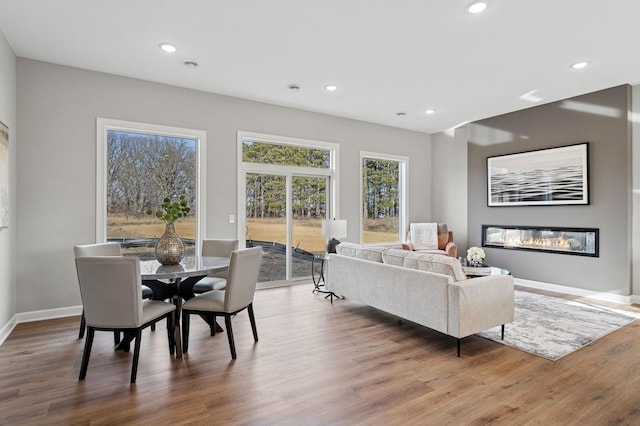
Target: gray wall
(599,118)
(57,110)
(449,194)
(8,236)
(635,193)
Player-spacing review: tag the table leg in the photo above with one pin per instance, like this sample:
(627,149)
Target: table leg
(176,331)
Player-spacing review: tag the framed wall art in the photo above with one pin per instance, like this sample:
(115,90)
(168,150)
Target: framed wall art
(4,176)
(553,176)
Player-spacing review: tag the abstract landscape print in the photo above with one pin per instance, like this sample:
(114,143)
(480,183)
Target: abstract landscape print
(543,177)
(4,176)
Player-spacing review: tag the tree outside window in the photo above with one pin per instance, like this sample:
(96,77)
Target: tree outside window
(142,170)
(382,199)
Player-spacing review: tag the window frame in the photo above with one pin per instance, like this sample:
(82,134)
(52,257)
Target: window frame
(103,125)
(403,190)
(289,172)
(243,168)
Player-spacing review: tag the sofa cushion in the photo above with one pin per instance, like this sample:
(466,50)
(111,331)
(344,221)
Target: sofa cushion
(371,253)
(436,263)
(394,256)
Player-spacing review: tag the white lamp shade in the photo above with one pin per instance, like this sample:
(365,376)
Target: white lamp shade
(332,228)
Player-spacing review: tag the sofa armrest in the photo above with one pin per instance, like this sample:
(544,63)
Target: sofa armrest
(478,304)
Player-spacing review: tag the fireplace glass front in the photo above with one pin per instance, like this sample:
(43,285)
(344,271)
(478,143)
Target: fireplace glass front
(574,241)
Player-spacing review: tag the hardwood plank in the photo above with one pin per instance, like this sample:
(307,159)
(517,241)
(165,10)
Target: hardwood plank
(315,363)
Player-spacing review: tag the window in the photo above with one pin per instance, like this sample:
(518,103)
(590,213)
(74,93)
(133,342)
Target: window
(138,166)
(383,197)
(287,187)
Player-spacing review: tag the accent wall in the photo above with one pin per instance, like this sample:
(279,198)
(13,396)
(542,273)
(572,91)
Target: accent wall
(600,118)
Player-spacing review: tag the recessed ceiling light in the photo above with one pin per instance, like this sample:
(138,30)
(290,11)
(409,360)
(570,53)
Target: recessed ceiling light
(168,47)
(430,111)
(294,87)
(579,65)
(477,6)
(190,63)
(331,87)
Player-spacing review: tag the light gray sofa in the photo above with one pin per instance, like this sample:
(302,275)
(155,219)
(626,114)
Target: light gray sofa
(428,289)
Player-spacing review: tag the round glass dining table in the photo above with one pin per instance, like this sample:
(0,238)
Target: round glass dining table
(176,282)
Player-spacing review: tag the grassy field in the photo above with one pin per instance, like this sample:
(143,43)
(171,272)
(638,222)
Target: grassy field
(119,226)
(307,233)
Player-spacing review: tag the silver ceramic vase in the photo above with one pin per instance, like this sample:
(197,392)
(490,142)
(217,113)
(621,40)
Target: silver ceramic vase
(170,248)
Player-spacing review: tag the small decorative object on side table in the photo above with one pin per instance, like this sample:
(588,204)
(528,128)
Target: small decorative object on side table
(476,256)
(473,265)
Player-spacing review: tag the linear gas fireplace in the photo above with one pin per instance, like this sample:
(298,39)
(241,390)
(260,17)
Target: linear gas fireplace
(575,241)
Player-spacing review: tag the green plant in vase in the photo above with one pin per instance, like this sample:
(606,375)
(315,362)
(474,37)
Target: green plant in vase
(172,211)
(170,248)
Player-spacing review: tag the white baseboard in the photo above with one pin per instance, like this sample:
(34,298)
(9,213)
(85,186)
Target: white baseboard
(49,314)
(37,316)
(608,297)
(7,329)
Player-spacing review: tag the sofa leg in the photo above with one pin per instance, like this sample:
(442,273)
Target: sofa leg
(458,347)
(502,331)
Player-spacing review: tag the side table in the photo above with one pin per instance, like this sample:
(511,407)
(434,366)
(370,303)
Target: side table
(318,282)
(494,271)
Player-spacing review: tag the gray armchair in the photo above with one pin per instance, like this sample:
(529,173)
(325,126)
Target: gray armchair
(217,280)
(110,287)
(242,278)
(103,249)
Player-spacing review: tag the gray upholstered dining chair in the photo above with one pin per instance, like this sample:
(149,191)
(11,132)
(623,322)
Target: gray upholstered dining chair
(110,287)
(217,280)
(242,278)
(103,249)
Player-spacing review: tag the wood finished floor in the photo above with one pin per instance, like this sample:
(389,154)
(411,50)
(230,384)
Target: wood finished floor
(316,363)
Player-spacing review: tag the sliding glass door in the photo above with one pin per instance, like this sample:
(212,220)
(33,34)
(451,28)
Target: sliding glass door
(308,207)
(284,215)
(287,186)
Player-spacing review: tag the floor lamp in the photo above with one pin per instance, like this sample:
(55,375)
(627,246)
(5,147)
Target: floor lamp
(332,229)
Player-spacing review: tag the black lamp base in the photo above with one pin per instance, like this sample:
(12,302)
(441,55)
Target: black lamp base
(331,245)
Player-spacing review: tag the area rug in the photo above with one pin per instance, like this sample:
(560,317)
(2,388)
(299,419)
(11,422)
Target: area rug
(551,327)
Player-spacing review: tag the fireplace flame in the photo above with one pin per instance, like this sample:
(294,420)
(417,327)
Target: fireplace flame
(559,243)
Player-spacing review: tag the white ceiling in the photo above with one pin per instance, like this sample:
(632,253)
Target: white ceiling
(386,56)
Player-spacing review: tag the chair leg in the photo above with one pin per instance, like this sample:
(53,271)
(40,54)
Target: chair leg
(212,321)
(153,327)
(502,331)
(253,322)
(170,332)
(116,338)
(185,331)
(86,354)
(83,325)
(232,345)
(458,347)
(136,355)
